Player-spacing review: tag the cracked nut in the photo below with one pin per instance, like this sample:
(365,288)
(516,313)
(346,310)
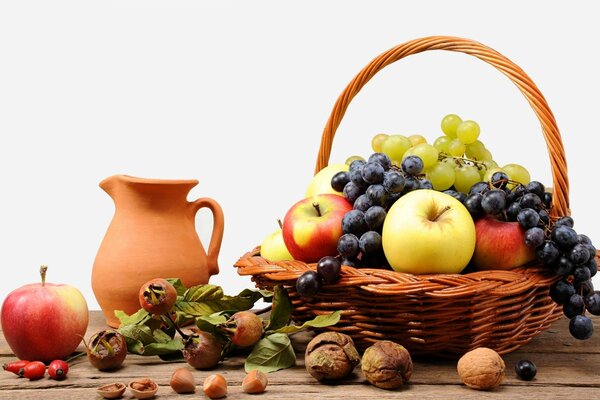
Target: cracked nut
(143,388)
(331,356)
(481,369)
(112,390)
(387,365)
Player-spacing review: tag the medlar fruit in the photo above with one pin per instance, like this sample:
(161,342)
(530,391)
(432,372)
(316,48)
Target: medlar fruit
(244,328)
(202,350)
(330,356)
(387,365)
(107,350)
(157,296)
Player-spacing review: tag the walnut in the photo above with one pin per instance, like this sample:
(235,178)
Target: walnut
(481,369)
(330,356)
(387,365)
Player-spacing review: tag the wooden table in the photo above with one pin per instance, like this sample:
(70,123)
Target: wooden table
(567,368)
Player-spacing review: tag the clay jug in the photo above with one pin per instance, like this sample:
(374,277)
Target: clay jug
(152,235)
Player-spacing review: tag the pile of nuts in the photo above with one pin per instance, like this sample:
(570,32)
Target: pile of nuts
(182,381)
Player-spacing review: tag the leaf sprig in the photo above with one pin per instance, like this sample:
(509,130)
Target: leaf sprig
(209,309)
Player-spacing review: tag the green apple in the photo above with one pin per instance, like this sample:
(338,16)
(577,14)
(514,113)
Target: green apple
(428,232)
(321,182)
(273,247)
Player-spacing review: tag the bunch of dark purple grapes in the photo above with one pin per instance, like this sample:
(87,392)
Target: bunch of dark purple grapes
(372,187)
(567,254)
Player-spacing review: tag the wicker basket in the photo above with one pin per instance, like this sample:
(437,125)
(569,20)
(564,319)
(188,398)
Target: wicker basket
(442,315)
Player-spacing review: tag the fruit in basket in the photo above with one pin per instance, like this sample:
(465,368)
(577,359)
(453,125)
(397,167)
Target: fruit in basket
(500,245)
(387,364)
(330,356)
(36,312)
(312,227)
(321,182)
(273,247)
(481,369)
(427,232)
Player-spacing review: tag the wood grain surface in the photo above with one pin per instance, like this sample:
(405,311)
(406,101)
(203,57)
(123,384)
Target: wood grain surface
(567,368)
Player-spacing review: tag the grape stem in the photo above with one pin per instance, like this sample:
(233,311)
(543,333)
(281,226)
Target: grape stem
(475,162)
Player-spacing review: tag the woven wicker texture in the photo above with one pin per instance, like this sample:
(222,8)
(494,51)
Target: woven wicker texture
(441,315)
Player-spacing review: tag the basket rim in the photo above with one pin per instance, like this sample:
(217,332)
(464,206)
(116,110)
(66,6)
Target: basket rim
(390,282)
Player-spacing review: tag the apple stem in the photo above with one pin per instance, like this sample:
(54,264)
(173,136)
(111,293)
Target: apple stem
(43,270)
(279,223)
(440,213)
(316,206)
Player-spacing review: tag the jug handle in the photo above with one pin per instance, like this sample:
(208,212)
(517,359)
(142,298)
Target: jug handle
(217,232)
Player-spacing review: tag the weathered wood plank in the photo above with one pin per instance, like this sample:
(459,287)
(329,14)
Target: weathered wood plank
(564,371)
(296,392)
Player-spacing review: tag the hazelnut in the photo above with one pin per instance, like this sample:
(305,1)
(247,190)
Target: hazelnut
(182,381)
(330,356)
(387,365)
(481,369)
(215,386)
(255,382)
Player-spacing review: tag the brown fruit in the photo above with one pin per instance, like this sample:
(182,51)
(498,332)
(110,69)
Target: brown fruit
(202,350)
(387,365)
(157,296)
(107,350)
(330,356)
(244,328)
(481,369)
(143,388)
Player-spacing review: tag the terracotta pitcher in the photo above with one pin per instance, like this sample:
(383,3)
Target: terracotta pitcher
(152,235)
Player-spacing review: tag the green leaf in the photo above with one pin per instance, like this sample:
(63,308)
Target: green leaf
(140,333)
(134,346)
(208,299)
(208,323)
(160,336)
(282,309)
(138,318)
(155,349)
(272,353)
(320,321)
(179,286)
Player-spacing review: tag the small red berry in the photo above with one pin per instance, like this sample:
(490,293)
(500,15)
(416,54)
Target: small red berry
(16,367)
(34,370)
(58,369)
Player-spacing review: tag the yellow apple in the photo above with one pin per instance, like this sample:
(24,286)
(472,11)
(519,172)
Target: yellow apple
(321,182)
(273,248)
(428,232)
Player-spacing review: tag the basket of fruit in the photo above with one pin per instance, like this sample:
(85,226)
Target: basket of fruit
(434,246)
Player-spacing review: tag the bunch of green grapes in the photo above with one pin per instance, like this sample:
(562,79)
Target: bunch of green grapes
(455,161)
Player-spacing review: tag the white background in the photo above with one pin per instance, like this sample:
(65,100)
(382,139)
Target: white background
(236,94)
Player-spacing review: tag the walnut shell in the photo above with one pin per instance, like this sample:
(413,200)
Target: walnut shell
(387,365)
(481,369)
(331,356)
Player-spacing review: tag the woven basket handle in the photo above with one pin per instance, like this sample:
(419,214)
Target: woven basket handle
(503,64)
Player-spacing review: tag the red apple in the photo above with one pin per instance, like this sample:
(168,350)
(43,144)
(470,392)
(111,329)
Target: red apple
(500,245)
(312,227)
(44,321)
